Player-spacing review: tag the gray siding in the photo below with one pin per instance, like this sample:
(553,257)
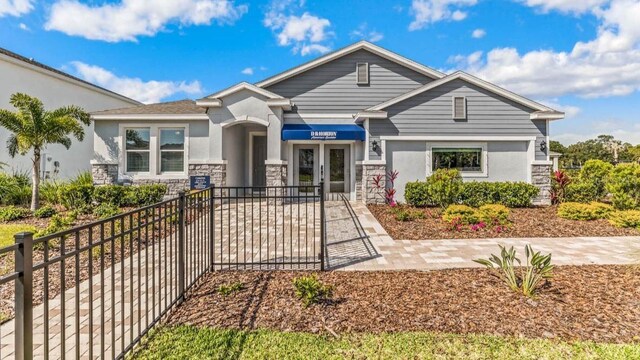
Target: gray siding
(332,88)
(430,113)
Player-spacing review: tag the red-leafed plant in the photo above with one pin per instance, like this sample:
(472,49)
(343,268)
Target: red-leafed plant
(389,191)
(560,181)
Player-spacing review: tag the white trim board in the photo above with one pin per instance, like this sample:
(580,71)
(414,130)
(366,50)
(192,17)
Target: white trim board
(151,117)
(361,45)
(239,87)
(484,162)
(458,138)
(470,79)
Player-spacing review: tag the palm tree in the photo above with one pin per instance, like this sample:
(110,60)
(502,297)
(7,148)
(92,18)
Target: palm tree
(33,128)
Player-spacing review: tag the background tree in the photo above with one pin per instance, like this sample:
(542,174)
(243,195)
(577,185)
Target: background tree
(556,146)
(33,128)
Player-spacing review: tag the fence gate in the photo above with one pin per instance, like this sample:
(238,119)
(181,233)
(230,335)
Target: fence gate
(268,228)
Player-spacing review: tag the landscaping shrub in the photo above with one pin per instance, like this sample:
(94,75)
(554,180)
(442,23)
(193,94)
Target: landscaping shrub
(580,211)
(106,210)
(537,268)
(403,213)
(11,213)
(582,192)
(560,179)
(58,223)
(444,187)
(46,211)
(226,290)
(311,290)
(416,193)
(494,214)
(624,185)
(109,195)
(510,194)
(143,195)
(625,218)
(595,173)
(83,178)
(49,191)
(76,197)
(461,213)
(15,189)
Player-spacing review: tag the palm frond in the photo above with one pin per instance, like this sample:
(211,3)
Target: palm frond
(10,121)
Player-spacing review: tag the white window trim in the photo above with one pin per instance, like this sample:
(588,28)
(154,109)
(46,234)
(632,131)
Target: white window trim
(453,107)
(185,166)
(125,151)
(154,152)
(465,174)
(358,82)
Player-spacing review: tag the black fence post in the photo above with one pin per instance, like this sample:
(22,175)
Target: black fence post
(182,273)
(322,227)
(24,296)
(211,227)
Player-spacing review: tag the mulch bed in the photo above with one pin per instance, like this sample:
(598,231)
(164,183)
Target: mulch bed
(599,303)
(526,222)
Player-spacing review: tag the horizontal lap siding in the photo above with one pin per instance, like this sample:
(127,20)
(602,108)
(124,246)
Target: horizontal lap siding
(332,87)
(430,114)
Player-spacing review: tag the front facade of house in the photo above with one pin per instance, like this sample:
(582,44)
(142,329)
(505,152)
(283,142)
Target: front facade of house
(343,118)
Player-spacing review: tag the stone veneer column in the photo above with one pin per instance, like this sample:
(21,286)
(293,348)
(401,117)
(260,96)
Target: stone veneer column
(359,187)
(541,177)
(104,174)
(370,194)
(276,175)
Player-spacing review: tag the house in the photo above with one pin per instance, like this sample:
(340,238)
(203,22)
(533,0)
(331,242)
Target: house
(344,117)
(56,89)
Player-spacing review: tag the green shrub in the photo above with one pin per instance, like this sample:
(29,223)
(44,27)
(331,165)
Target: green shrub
(15,189)
(625,218)
(76,197)
(581,191)
(311,290)
(58,223)
(226,290)
(143,195)
(596,172)
(494,214)
(105,211)
(12,213)
(444,187)
(109,195)
(624,186)
(83,178)
(510,194)
(49,191)
(417,194)
(537,268)
(580,211)
(46,211)
(407,214)
(467,215)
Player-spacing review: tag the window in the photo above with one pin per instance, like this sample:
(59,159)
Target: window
(463,159)
(459,107)
(172,150)
(137,149)
(362,73)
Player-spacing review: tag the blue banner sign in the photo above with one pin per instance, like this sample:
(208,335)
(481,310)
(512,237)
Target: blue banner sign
(200,182)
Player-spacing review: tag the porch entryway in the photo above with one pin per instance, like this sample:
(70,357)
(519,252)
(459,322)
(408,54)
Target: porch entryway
(331,163)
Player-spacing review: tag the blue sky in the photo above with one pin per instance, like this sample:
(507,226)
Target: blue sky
(580,56)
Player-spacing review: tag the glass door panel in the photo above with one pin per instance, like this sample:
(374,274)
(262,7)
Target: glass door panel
(305,169)
(336,170)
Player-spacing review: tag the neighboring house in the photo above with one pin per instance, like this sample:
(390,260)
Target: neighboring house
(344,117)
(55,88)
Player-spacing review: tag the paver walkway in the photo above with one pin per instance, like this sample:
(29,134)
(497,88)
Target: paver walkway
(459,253)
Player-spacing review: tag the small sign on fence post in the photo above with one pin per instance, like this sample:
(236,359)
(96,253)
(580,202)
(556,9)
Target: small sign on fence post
(200,182)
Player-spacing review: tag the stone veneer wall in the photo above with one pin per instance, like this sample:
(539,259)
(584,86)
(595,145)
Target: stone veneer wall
(370,194)
(359,188)
(107,174)
(276,174)
(540,177)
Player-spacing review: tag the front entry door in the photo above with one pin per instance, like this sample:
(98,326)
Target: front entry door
(259,176)
(337,167)
(305,167)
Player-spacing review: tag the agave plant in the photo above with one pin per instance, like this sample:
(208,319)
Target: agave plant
(537,268)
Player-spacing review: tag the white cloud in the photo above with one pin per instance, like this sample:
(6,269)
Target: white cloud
(608,65)
(24,27)
(363,32)
(570,111)
(128,19)
(247,71)
(566,6)
(431,11)
(152,91)
(306,33)
(478,33)
(623,132)
(15,7)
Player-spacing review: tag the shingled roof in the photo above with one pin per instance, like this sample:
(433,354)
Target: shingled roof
(180,107)
(29,61)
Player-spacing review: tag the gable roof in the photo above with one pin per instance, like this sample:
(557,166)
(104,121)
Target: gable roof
(181,108)
(361,45)
(542,111)
(244,86)
(30,63)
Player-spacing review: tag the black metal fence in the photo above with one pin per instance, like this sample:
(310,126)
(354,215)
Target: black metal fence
(97,289)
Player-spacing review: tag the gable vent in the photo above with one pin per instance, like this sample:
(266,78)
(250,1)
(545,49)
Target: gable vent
(459,107)
(362,73)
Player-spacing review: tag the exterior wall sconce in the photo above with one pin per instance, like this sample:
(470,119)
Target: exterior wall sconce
(374,146)
(543,146)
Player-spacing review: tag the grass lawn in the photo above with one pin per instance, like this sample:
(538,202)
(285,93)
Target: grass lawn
(8,230)
(188,342)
